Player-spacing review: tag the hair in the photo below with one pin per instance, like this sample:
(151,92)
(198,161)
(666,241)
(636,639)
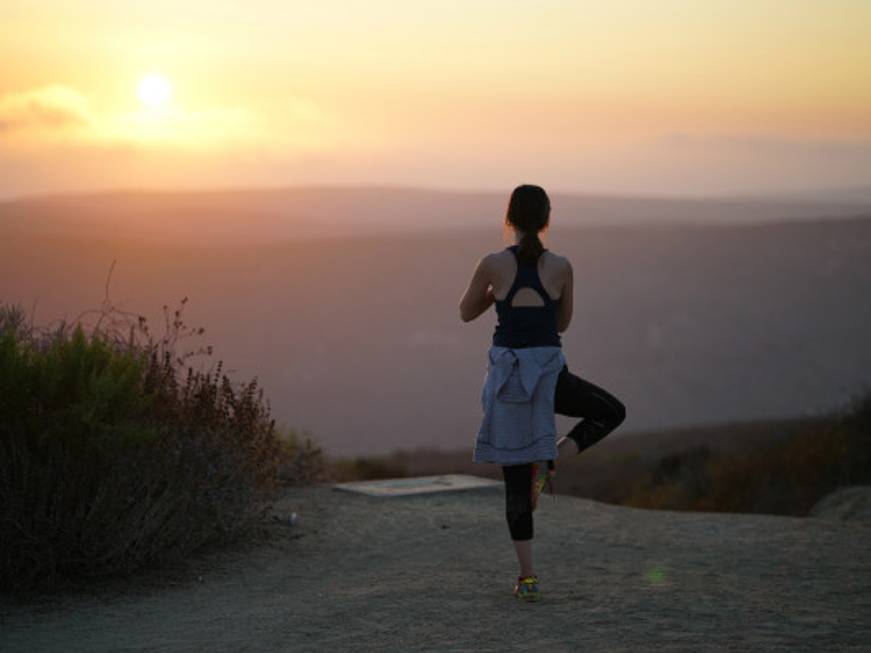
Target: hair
(528,211)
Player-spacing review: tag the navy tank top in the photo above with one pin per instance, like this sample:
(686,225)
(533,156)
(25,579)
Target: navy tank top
(526,326)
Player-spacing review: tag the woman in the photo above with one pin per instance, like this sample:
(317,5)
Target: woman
(528,379)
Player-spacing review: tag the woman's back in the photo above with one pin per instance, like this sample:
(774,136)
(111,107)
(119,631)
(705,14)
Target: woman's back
(528,297)
(551,270)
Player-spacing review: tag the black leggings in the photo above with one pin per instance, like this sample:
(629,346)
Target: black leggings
(574,397)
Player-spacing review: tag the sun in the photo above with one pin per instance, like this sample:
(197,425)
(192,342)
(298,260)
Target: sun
(154,90)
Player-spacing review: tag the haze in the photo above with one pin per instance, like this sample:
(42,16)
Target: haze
(343,302)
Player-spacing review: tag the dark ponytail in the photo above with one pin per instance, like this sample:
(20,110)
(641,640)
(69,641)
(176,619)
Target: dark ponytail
(528,211)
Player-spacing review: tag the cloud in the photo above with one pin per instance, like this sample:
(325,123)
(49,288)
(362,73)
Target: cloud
(742,162)
(180,127)
(49,108)
(757,144)
(57,113)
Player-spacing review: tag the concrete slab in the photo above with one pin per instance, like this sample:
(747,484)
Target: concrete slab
(391,487)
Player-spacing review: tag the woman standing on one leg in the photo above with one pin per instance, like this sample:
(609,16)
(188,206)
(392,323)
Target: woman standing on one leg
(528,379)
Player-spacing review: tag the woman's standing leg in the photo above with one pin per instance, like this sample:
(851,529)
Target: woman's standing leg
(518,512)
(601,411)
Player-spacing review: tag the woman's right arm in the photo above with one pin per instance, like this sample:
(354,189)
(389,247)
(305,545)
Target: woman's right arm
(564,315)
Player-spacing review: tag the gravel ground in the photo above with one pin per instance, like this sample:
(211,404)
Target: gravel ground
(434,572)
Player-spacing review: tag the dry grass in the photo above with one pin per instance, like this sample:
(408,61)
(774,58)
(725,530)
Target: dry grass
(115,455)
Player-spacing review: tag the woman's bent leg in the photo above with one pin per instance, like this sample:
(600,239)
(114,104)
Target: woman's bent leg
(602,411)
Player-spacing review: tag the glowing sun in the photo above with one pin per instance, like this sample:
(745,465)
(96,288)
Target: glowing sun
(154,90)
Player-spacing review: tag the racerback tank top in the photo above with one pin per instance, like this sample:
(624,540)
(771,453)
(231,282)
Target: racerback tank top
(526,326)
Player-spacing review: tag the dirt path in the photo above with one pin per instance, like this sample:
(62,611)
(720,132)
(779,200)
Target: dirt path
(434,572)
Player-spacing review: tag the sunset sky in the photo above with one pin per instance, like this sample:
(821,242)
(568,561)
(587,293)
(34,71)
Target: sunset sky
(664,97)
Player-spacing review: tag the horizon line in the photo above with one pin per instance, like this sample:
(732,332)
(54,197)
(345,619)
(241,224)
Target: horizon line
(797,195)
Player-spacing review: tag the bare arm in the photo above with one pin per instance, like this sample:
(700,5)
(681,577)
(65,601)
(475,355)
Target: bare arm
(479,295)
(566,306)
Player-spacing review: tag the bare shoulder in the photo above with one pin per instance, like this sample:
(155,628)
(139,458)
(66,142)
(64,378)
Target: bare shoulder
(497,260)
(558,261)
(489,260)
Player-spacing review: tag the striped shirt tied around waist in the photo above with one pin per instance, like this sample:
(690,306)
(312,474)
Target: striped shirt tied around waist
(518,424)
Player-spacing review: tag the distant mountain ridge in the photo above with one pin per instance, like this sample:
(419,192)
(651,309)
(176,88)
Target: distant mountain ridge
(271,215)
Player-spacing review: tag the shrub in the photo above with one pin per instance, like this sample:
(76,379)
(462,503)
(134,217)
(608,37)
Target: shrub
(786,476)
(111,457)
(302,463)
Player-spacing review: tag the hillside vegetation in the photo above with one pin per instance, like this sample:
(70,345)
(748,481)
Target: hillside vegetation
(774,467)
(114,456)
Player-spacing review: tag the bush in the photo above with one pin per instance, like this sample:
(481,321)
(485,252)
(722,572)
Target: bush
(111,457)
(786,476)
(302,463)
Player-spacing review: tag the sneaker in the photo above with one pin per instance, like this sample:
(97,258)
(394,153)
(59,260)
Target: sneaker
(541,477)
(527,589)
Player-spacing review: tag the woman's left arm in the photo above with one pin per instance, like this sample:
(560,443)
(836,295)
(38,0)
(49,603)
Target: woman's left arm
(479,295)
